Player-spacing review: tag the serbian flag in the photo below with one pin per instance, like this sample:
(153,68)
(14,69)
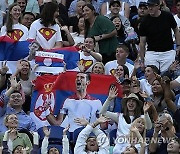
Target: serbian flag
(12,51)
(51,61)
(56,89)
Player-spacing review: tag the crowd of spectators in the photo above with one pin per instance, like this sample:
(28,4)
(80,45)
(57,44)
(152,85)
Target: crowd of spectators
(135,42)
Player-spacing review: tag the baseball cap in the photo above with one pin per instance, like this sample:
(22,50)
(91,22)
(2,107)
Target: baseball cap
(125,80)
(113,2)
(153,2)
(141,4)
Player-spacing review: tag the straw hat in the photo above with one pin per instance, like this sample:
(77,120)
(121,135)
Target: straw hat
(134,97)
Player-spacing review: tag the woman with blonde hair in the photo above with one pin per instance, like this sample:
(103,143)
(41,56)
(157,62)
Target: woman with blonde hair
(98,68)
(136,137)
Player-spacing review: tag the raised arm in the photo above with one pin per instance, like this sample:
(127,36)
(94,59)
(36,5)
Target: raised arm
(113,92)
(80,146)
(65,141)
(45,142)
(3,72)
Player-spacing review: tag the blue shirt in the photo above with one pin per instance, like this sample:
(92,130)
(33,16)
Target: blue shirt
(24,120)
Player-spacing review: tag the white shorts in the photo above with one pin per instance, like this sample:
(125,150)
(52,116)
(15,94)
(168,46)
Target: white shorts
(162,60)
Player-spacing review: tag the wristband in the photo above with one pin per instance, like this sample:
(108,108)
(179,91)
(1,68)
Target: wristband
(100,36)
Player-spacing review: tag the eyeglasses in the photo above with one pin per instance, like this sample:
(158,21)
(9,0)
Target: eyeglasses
(15,96)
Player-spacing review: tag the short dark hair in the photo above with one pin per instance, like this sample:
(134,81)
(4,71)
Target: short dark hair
(154,68)
(16,91)
(30,13)
(93,38)
(124,47)
(88,75)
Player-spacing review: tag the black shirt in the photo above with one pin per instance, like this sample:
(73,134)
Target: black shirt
(158,31)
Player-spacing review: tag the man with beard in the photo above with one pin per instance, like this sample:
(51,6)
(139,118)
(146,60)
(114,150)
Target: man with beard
(77,107)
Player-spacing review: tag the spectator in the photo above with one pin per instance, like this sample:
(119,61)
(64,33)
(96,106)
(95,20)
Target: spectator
(116,5)
(150,76)
(121,73)
(88,55)
(142,12)
(22,4)
(136,137)
(13,137)
(173,146)
(121,33)
(13,28)
(131,110)
(27,19)
(73,105)
(98,68)
(27,5)
(131,149)
(63,14)
(103,31)
(15,106)
(92,144)
(155,30)
(158,95)
(164,127)
(79,35)
(115,11)
(73,21)
(72,8)
(122,53)
(26,76)
(45,142)
(45,30)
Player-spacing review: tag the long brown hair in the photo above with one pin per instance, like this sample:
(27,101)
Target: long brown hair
(9,21)
(87,24)
(137,112)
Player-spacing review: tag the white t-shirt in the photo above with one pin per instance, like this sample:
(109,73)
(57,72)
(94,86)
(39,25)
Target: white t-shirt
(77,38)
(146,87)
(45,36)
(112,65)
(20,32)
(88,108)
(87,61)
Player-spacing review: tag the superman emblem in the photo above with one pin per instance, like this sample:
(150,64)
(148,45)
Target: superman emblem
(112,71)
(16,34)
(86,63)
(47,33)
